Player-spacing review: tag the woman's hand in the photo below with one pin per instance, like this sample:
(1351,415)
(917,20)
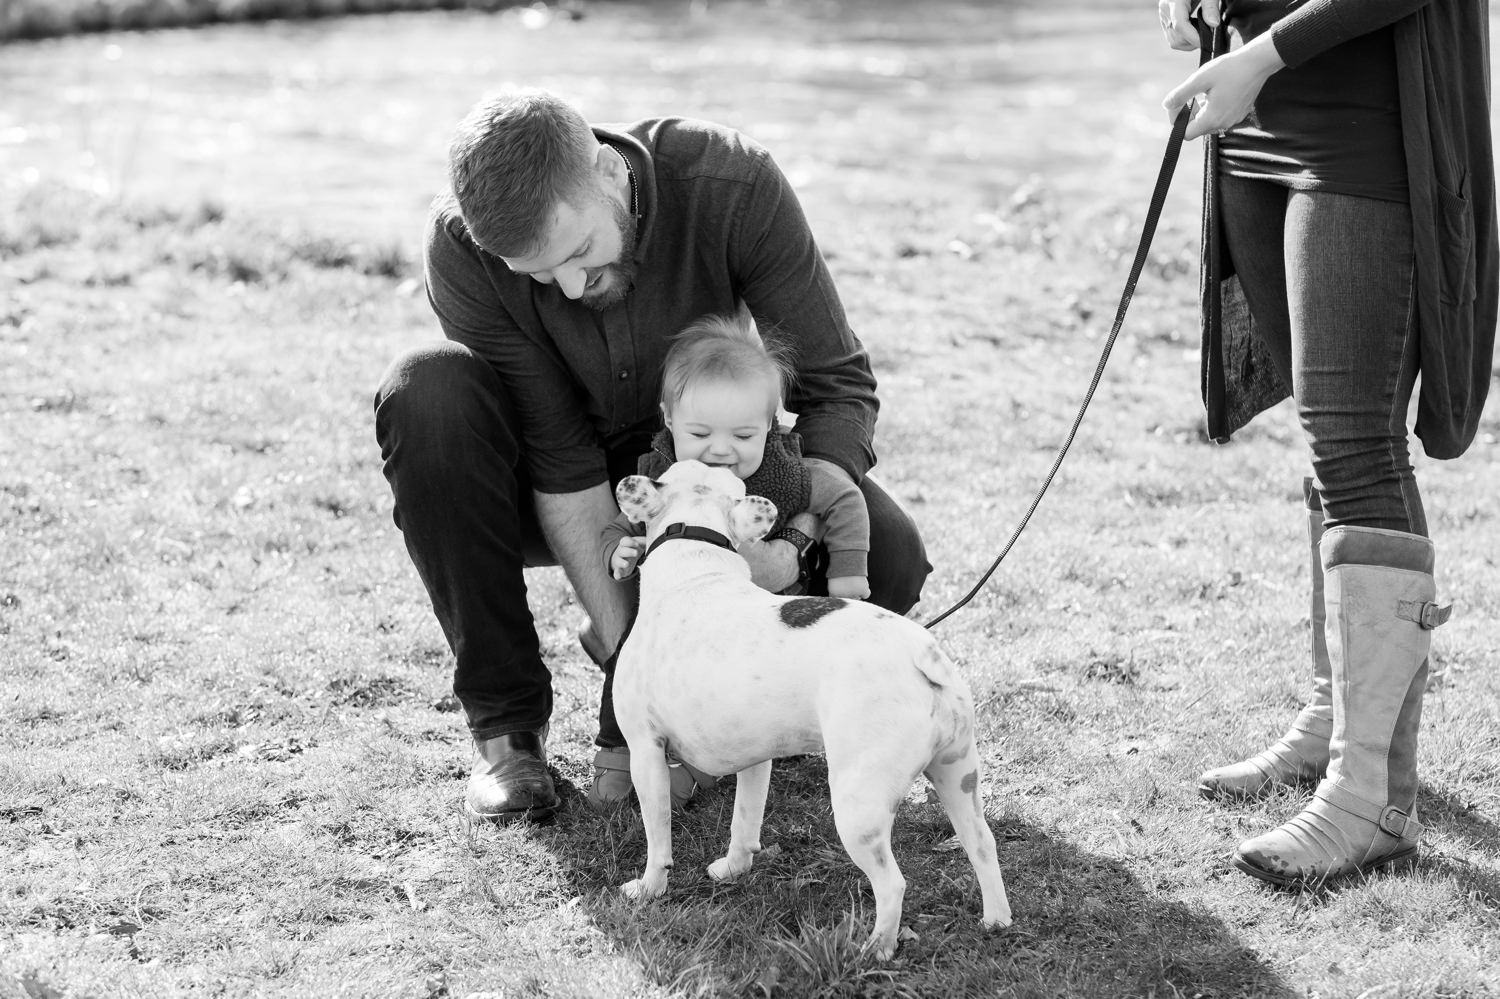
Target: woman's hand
(1228,85)
(1181,33)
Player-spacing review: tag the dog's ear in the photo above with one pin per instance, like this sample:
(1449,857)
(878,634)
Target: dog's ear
(639,498)
(751,518)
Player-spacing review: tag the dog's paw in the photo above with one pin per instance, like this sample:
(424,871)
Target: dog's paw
(725,869)
(641,889)
(882,946)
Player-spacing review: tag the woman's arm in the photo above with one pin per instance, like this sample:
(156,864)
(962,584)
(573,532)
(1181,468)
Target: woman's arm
(1230,83)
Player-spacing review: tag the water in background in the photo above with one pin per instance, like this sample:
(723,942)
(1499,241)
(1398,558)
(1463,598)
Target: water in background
(342,124)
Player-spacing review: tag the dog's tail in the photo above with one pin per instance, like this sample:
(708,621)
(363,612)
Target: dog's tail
(950,697)
(936,668)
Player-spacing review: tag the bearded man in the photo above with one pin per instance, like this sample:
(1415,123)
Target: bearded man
(560,264)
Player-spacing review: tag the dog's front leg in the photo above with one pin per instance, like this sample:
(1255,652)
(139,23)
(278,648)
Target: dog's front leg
(750,789)
(653,789)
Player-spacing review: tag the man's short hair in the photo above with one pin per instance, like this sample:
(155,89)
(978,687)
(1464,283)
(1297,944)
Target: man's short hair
(513,160)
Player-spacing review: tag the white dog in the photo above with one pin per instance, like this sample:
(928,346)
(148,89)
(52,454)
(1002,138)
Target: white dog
(730,677)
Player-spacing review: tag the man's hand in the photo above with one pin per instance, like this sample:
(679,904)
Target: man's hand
(1180,31)
(627,554)
(773,563)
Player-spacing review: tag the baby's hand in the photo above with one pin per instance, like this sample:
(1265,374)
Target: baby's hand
(849,587)
(627,554)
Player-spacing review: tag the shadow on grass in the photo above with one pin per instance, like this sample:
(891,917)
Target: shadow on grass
(794,925)
(1457,817)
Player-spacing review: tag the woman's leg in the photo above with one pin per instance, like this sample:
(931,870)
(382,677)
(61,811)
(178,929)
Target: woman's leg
(1349,265)
(1349,273)
(1254,215)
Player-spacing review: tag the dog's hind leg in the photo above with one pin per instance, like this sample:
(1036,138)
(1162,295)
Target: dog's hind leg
(955,775)
(863,813)
(653,789)
(751,786)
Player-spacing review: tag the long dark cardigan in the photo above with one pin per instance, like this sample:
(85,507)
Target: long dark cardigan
(1442,62)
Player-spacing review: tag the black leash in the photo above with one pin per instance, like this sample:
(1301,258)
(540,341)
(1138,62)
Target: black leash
(1148,230)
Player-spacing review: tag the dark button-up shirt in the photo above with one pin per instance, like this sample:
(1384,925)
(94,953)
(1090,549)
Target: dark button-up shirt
(720,226)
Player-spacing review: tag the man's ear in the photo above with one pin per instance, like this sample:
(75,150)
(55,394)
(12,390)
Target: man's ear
(639,497)
(751,518)
(610,166)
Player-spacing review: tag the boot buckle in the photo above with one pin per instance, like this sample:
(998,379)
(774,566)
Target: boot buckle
(1427,614)
(1398,824)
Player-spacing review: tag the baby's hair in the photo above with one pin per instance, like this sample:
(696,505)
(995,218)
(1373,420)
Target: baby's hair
(730,348)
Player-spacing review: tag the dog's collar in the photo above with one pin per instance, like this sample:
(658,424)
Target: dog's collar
(689,532)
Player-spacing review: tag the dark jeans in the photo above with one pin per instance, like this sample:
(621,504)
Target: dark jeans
(1329,280)
(452,455)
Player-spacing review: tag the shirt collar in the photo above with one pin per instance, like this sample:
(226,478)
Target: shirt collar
(640,161)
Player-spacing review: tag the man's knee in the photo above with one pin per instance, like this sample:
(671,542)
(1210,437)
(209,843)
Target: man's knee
(434,394)
(898,556)
(429,380)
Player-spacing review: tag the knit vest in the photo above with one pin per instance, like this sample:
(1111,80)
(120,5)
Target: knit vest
(781,477)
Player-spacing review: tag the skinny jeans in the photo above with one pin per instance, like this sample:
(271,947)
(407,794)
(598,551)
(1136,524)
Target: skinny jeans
(1329,282)
(451,450)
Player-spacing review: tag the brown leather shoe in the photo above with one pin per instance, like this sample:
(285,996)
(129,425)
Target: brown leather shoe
(510,779)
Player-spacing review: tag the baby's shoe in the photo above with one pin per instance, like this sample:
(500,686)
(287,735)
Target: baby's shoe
(686,780)
(612,779)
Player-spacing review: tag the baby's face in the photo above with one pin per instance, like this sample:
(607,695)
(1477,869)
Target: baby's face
(722,423)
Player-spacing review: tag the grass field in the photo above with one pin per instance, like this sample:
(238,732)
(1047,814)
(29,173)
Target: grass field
(230,763)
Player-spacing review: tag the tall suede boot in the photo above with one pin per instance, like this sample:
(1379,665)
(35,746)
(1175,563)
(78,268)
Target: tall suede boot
(1380,598)
(1301,755)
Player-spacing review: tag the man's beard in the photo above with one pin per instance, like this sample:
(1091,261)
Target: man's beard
(620,275)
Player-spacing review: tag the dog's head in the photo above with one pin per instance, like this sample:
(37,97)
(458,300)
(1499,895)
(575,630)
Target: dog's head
(693,493)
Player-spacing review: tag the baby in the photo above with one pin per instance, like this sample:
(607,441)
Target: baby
(721,389)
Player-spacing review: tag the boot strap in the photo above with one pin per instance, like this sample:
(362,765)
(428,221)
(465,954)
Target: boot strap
(1391,820)
(1424,612)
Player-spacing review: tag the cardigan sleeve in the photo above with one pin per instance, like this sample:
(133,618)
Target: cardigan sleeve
(1319,25)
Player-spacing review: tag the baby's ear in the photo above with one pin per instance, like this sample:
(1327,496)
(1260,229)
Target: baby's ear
(639,497)
(750,518)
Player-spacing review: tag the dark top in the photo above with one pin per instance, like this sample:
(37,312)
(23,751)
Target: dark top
(1331,124)
(1442,72)
(720,225)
